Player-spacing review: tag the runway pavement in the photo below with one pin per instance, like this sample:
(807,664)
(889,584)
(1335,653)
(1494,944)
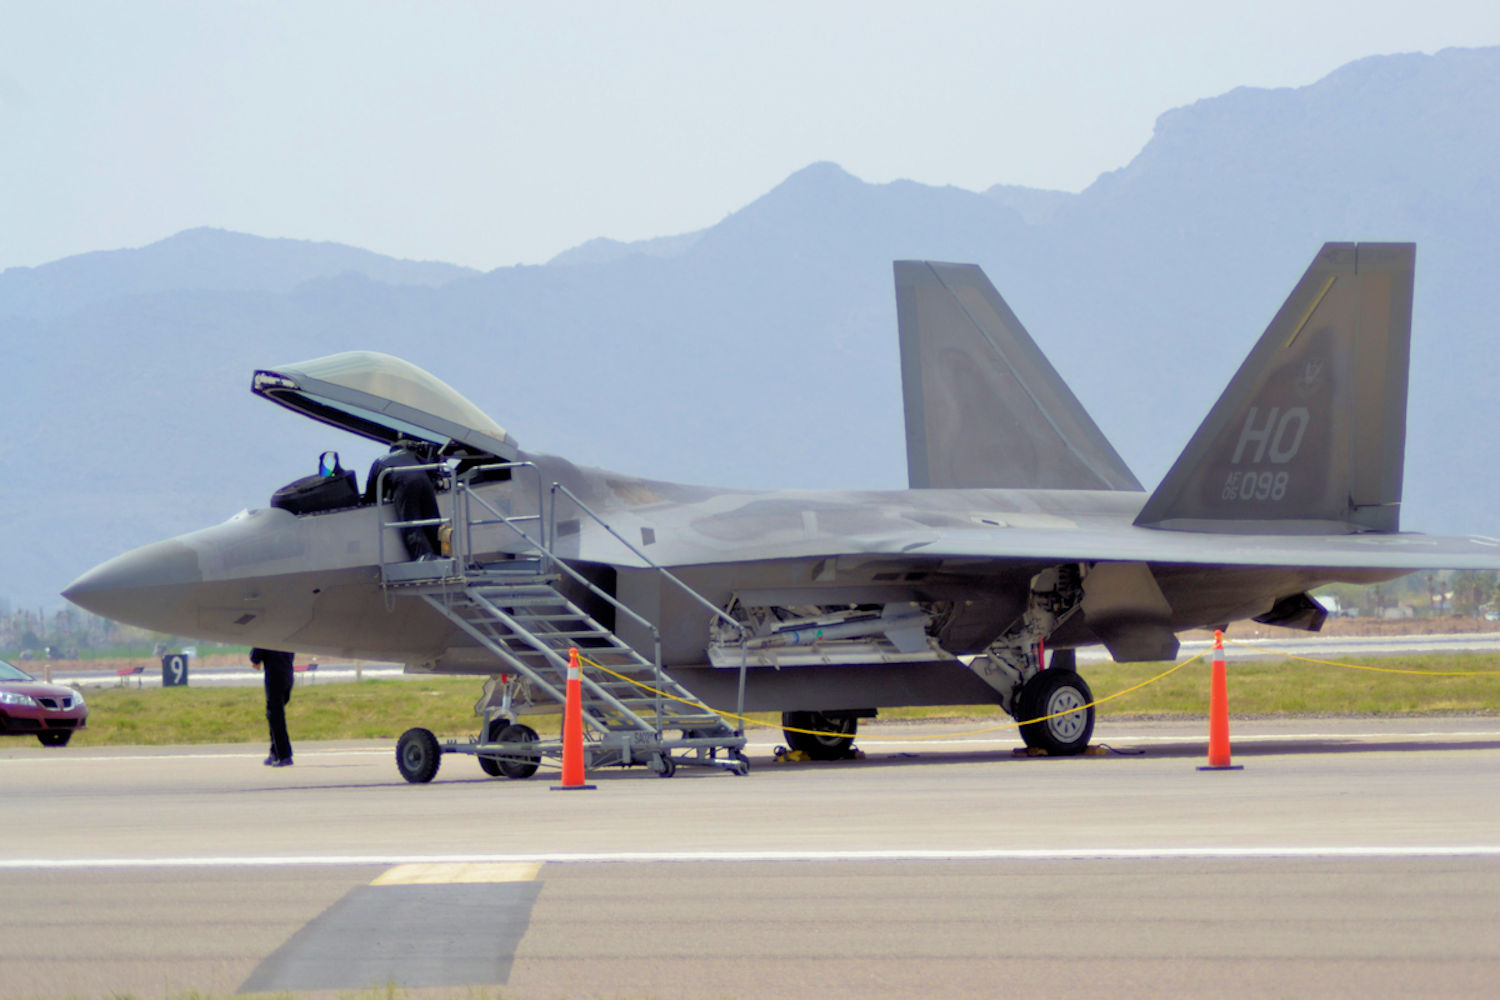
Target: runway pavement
(1348,858)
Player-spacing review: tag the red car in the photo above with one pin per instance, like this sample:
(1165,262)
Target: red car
(50,712)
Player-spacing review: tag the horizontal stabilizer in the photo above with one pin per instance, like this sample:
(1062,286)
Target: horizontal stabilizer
(1310,435)
(984,407)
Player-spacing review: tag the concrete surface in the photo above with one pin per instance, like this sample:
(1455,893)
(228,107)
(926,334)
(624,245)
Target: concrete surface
(1348,858)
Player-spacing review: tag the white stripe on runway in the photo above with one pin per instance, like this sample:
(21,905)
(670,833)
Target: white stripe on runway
(55,758)
(1227,853)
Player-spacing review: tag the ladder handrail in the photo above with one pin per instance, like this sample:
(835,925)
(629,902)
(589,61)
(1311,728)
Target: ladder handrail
(466,489)
(681,584)
(739,627)
(560,563)
(461,547)
(556,658)
(548,530)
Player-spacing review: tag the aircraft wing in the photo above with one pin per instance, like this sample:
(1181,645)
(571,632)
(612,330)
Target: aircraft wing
(1000,526)
(1400,551)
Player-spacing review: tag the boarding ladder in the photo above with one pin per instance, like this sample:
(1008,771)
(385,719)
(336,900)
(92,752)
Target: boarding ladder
(515,608)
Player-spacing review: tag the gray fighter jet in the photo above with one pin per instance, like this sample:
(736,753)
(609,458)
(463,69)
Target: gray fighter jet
(1023,534)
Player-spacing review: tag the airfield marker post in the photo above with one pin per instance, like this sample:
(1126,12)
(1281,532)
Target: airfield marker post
(1218,712)
(572,748)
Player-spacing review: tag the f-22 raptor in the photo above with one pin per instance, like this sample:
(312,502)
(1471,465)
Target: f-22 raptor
(1023,534)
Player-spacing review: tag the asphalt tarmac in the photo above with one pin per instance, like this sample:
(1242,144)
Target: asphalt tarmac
(1348,858)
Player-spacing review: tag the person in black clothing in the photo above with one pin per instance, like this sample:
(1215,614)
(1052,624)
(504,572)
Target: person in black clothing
(412,493)
(278,670)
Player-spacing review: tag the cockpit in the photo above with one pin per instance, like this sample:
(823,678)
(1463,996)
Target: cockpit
(428,425)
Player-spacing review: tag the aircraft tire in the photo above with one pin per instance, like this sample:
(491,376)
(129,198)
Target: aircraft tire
(492,731)
(418,756)
(519,765)
(55,738)
(1048,693)
(820,747)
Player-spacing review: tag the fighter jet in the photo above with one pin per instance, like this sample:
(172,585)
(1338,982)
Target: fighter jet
(1023,536)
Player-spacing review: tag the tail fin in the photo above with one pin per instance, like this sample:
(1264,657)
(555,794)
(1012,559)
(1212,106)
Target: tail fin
(1310,435)
(984,408)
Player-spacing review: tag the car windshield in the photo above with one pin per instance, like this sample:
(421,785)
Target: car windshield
(11,672)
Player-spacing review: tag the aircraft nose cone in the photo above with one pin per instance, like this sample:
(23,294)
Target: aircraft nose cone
(142,587)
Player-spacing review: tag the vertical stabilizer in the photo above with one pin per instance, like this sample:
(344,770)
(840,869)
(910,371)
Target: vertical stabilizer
(1310,435)
(984,407)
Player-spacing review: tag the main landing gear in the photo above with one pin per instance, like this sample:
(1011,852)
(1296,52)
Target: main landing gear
(1057,698)
(829,735)
(1013,665)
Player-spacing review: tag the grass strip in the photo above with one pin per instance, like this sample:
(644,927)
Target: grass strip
(383,709)
(376,709)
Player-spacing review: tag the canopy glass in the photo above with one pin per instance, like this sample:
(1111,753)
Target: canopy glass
(383,398)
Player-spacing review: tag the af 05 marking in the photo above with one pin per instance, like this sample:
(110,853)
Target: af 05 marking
(174,670)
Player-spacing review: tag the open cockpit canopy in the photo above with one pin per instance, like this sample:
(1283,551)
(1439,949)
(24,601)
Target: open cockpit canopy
(383,398)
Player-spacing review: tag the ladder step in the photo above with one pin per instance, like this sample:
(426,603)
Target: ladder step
(528,597)
(529,627)
(589,634)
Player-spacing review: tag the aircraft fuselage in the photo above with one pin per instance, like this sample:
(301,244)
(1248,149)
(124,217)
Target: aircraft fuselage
(312,582)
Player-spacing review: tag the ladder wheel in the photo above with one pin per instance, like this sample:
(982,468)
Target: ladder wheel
(664,766)
(418,756)
(741,763)
(492,731)
(518,765)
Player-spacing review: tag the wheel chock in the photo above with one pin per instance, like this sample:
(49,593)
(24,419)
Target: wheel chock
(785,756)
(1093,750)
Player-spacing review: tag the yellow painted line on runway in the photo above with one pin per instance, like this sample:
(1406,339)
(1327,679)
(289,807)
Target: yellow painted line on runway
(460,872)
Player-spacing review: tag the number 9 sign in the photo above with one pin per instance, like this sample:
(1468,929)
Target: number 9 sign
(174,670)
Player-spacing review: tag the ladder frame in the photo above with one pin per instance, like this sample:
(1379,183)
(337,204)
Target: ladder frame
(452,584)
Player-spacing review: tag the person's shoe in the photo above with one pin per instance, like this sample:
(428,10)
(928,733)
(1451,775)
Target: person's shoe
(271,761)
(283,762)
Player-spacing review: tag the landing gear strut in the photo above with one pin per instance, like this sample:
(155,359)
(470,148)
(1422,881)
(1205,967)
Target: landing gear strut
(1013,666)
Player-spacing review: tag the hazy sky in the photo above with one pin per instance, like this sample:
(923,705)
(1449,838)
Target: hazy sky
(491,133)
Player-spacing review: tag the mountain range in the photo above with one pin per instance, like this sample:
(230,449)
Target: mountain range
(761,351)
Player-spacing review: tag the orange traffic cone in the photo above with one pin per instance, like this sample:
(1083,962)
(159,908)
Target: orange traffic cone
(572,749)
(1218,713)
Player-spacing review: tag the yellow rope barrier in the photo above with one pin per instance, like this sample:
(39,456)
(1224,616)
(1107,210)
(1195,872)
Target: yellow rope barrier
(1015,725)
(911,739)
(1359,666)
